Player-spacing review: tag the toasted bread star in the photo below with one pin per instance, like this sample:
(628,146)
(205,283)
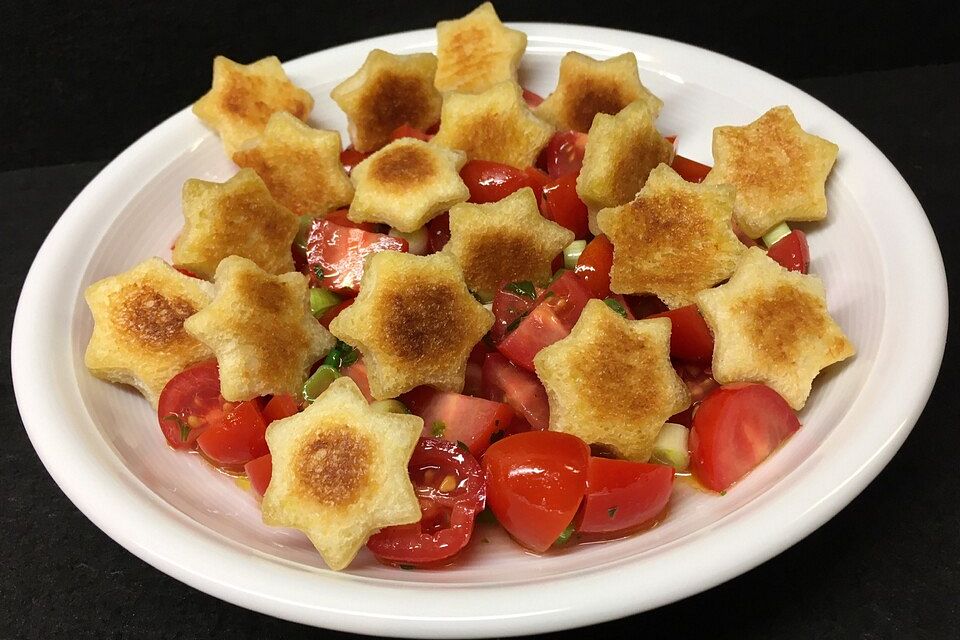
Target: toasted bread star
(236,217)
(407,183)
(386,92)
(610,382)
(340,472)
(771,325)
(504,241)
(621,151)
(243,97)
(300,165)
(414,321)
(138,336)
(495,125)
(260,328)
(476,51)
(779,170)
(673,240)
(587,87)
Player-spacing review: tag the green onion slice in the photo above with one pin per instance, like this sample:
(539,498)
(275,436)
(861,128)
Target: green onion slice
(316,384)
(322,300)
(524,289)
(776,234)
(614,304)
(670,447)
(572,253)
(389,406)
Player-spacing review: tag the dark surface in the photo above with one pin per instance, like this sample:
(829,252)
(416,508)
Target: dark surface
(888,566)
(88,77)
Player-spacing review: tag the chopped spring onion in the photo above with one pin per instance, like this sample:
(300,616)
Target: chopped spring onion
(418,242)
(342,355)
(572,253)
(614,304)
(670,447)
(322,300)
(523,289)
(306,221)
(565,536)
(776,234)
(316,384)
(389,406)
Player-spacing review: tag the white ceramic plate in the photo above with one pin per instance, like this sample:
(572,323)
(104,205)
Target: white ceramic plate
(101,443)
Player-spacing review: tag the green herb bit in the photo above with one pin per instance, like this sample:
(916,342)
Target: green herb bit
(407,567)
(614,304)
(316,384)
(182,424)
(463,446)
(342,355)
(438,428)
(523,288)
(322,300)
(514,323)
(497,435)
(612,512)
(565,536)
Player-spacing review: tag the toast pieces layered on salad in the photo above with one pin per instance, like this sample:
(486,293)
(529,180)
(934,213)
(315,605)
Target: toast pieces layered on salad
(772,326)
(340,472)
(673,240)
(388,91)
(476,51)
(236,218)
(138,336)
(299,164)
(415,322)
(618,401)
(587,87)
(260,327)
(244,96)
(779,170)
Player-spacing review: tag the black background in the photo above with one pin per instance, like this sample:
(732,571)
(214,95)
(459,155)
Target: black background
(82,81)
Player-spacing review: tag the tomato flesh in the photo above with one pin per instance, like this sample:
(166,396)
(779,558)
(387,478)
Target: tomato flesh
(342,218)
(509,307)
(532,99)
(238,439)
(689,170)
(358,373)
(735,428)
(258,473)
(536,481)
(622,495)
(690,337)
(564,153)
(594,264)
(503,381)
(350,158)
(339,252)
(561,204)
(280,407)
(406,131)
(448,507)
(189,404)
(458,418)
(491,181)
(792,251)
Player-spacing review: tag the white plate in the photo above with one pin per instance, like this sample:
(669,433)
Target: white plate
(101,444)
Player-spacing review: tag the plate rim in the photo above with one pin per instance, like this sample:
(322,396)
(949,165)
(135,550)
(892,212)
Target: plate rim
(585,592)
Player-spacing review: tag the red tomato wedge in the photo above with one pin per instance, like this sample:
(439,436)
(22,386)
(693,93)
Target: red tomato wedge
(338,252)
(594,264)
(350,158)
(503,381)
(451,488)
(333,312)
(509,307)
(532,99)
(536,481)
(564,153)
(561,204)
(438,231)
(492,181)
(190,403)
(238,439)
(689,170)
(358,373)
(690,337)
(341,217)
(623,495)
(258,472)
(792,251)
(735,428)
(280,407)
(458,418)
(406,131)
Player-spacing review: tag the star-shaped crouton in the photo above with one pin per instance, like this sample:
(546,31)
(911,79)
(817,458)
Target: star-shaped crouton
(238,217)
(674,240)
(587,87)
(407,183)
(340,472)
(243,97)
(260,328)
(300,165)
(771,325)
(504,241)
(621,151)
(610,382)
(495,125)
(414,321)
(388,91)
(477,51)
(779,170)
(138,336)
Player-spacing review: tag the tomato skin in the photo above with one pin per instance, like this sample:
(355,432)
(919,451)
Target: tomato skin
(406,131)
(258,473)
(564,153)
(491,181)
(521,390)
(465,419)
(735,428)
(447,517)
(690,337)
(358,373)
(508,308)
(339,253)
(341,217)
(192,397)
(350,158)
(594,264)
(689,170)
(238,439)
(438,231)
(792,251)
(622,495)
(532,99)
(535,483)
(561,204)
(280,407)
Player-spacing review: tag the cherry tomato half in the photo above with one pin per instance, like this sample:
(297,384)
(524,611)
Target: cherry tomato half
(190,403)
(561,204)
(689,170)
(594,264)
(690,337)
(280,407)
(339,252)
(623,495)
(350,158)
(491,181)
(792,251)
(564,153)
(451,488)
(503,381)
(438,231)
(532,99)
(238,439)
(458,418)
(259,470)
(406,131)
